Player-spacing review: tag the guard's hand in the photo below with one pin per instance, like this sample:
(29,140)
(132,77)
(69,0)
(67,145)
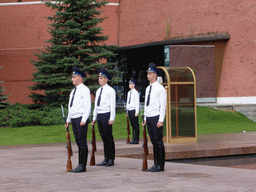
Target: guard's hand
(136,115)
(159,124)
(93,122)
(66,125)
(110,122)
(82,123)
(126,114)
(144,123)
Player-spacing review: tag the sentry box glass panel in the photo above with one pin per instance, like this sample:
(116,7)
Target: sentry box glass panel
(181,118)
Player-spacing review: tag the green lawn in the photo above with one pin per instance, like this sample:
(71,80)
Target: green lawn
(216,121)
(209,121)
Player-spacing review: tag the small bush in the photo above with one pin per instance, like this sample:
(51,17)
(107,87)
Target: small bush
(20,115)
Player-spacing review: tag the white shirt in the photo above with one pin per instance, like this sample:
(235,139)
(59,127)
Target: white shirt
(157,101)
(134,102)
(81,103)
(107,102)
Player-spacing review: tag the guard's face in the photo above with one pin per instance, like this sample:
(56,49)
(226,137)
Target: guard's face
(131,85)
(76,80)
(102,81)
(151,76)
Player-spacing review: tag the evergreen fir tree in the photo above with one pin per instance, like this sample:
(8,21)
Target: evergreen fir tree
(76,39)
(3,98)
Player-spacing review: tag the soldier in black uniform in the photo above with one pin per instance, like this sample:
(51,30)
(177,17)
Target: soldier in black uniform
(104,112)
(79,109)
(154,111)
(132,108)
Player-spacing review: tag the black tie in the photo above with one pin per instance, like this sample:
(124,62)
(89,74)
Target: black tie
(149,95)
(73,97)
(98,102)
(130,97)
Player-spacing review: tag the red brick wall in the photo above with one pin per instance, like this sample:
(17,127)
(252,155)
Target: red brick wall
(146,21)
(15,1)
(23,31)
(23,28)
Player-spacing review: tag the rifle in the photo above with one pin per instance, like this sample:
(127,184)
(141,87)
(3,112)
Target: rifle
(92,162)
(128,129)
(69,147)
(145,146)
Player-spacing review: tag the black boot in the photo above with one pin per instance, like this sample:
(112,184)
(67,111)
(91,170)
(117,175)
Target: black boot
(111,155)
(104,162)
(133,137)
(79,159)
(82,161)
(136,136)
(155,151)
(106,155)
(161,159)
(110,163)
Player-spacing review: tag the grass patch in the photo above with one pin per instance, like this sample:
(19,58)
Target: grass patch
(217,121)
(208,120)
(33,135)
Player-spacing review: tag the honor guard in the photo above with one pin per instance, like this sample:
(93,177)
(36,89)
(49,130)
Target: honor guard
(104,112)
(79,109)
(132,108)
(154,111)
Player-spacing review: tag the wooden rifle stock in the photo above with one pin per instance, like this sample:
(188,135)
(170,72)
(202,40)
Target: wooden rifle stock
(70,152)
(128,130)
(92,162)
(69,147)
(145,146)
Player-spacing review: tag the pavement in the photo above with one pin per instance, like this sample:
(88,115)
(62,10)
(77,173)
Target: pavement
(43,168)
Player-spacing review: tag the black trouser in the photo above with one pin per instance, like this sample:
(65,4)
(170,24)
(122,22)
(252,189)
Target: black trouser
(135,125)
(80,133)
(156,137)
(106,135)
